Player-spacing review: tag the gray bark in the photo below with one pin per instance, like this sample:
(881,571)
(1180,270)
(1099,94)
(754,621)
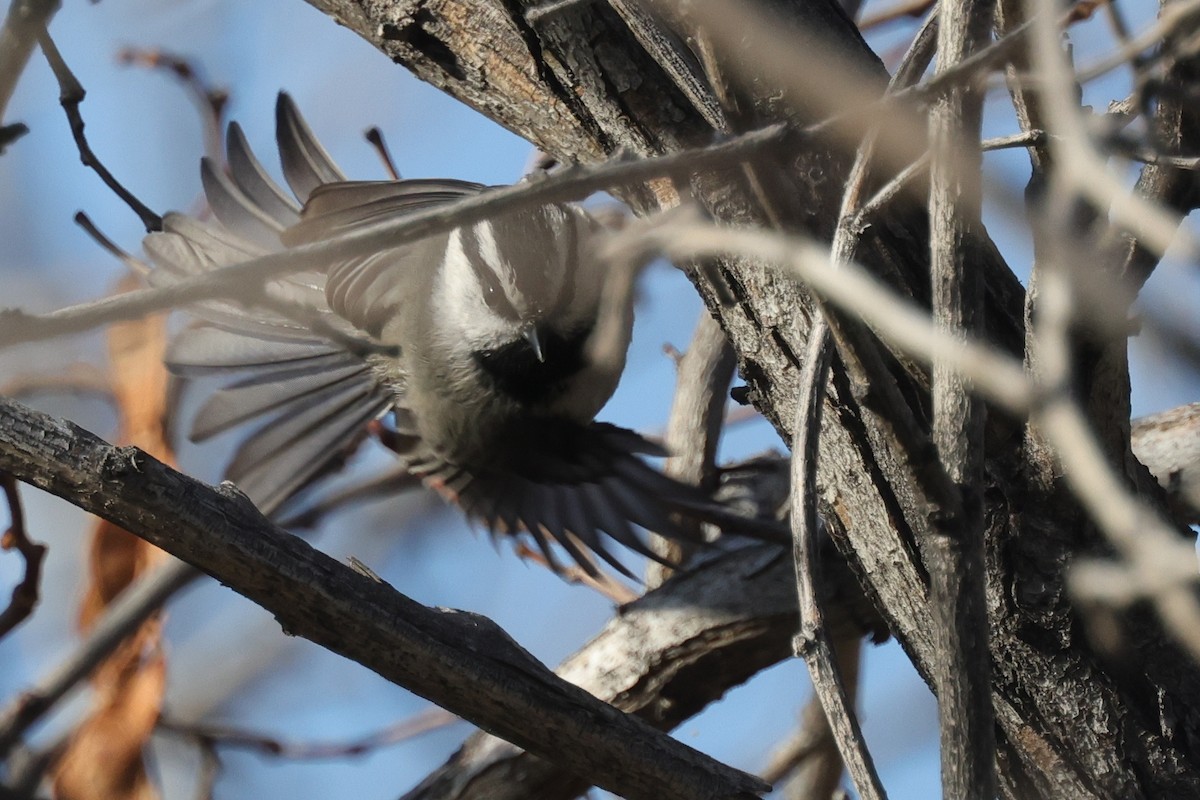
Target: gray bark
(580,85)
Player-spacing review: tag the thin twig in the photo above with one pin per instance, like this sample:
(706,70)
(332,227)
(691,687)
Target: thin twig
(1026,102)
(219,736)
(813,640)
(80,380)
(71,94)
(1022,139)
(1159,562)
(1078,161)
(374,137)
(210,100)
(570,183)
(124,616)
(17,39)
(809,764)
(954,554)
(1173,17)
(1165,562)
(694,426)
(135,265)
(24,594)
(850,287)
(892,189)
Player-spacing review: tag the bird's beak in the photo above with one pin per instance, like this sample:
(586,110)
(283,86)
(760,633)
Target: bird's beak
(531,335)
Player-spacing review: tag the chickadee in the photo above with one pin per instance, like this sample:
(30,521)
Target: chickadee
(488,378)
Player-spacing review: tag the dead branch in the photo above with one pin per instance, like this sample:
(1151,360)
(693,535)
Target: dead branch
(664,657)
(217,736)
(25,594)
(71,95)
(1168,443)
(462,661)
(18,37)
(694,426)
(955,553)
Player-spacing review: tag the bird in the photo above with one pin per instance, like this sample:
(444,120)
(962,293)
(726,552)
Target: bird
(476,353)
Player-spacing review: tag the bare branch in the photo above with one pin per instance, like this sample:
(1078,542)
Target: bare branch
(849,287)
(813,642)
(209,100)
(71,95)
(694,426)
(689,640)
(463,661)
(24,594)
(571,183)
(217,736)
(1174,17)
(124,617)
(1160,563)
(954,553)
(1168,443)
(374,137)
(809,764)
(24,20)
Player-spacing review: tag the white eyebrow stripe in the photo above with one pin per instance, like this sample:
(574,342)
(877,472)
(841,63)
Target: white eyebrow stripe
(489,252)
(456,272)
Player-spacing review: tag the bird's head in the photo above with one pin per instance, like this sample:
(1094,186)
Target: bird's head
(520,284)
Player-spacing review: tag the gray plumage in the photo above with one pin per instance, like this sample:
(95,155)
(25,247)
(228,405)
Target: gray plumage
(492,392)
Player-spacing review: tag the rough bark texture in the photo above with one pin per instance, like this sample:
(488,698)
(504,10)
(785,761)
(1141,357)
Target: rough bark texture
(461,661)
(662,658)
(955,554)
(580,84)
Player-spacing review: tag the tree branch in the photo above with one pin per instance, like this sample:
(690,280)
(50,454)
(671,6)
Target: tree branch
(461,661)
(814,642)
(954,554)
(18,37)
(694,426)
(1168,443)
(664,657)
(133,607)
(572,183)
(24,594)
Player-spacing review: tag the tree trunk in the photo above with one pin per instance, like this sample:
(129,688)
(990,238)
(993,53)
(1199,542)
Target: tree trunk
(581,81)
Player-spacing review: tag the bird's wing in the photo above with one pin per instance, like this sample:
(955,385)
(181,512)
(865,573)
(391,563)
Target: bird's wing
(369,291)
(313,394)
(306,165)
(575,486)
(289,363)
(293,365)
(335,208)
(311,398)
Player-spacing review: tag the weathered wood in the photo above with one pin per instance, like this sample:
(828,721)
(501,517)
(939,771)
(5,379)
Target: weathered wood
(579,84)
(461,661)
(955,551)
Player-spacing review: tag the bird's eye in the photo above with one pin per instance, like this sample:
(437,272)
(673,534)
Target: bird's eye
(489,282)
(493,293)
